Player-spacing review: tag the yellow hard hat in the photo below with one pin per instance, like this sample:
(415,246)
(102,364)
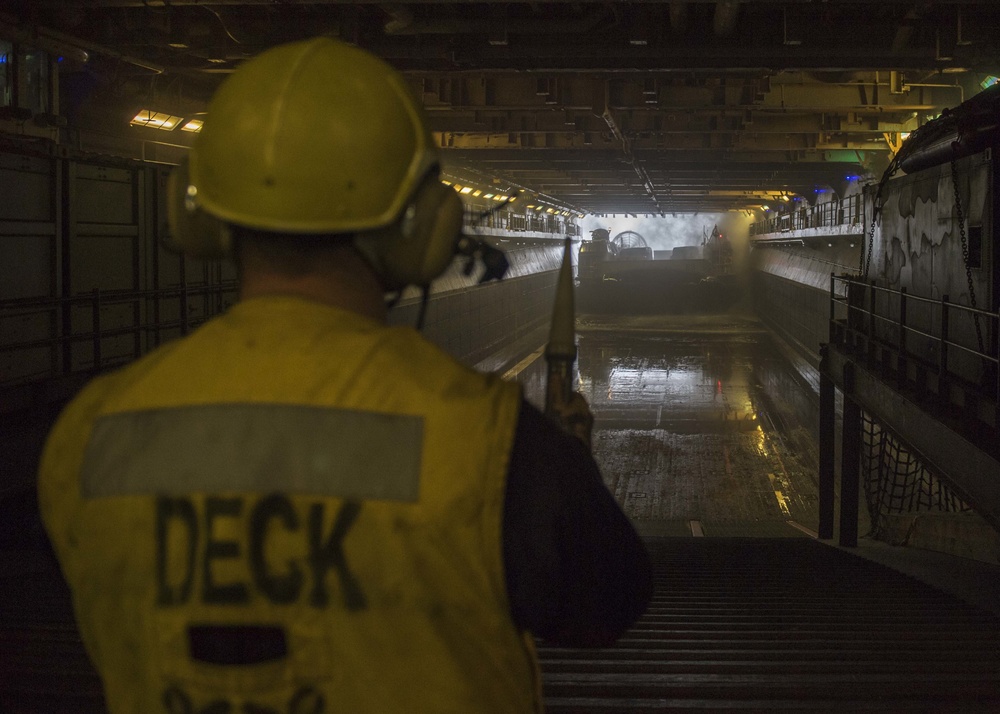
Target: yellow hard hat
(311,137)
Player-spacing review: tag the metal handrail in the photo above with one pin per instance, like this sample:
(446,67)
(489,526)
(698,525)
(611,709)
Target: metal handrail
(98,299)
(116,296)
(869,316)
(848,211)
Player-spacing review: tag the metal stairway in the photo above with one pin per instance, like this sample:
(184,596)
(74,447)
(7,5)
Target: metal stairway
(736,625)
(783,625)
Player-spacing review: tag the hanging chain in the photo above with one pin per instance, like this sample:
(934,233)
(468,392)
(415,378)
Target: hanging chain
(965,253)
(865,265)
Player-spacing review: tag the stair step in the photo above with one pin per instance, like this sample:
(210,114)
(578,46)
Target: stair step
(743,624)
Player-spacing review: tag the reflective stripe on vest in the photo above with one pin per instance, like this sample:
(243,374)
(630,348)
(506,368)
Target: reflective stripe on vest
(255,447)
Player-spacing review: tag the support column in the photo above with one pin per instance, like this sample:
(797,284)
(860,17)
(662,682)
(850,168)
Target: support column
(850,463)
(827,425)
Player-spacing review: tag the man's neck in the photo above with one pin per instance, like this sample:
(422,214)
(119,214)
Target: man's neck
(347,283)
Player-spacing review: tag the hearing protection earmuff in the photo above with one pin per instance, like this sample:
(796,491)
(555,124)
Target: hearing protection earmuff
(191,230)
(420,244)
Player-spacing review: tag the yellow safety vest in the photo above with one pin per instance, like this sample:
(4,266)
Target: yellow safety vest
(310,484)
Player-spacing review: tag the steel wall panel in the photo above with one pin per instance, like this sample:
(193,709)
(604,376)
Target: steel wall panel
(22,327)
(103,262)
(27,266)
(103,194)
(28,257)
(26,185)
(27,226)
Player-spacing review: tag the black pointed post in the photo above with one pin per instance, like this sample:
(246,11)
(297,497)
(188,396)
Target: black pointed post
(560,353)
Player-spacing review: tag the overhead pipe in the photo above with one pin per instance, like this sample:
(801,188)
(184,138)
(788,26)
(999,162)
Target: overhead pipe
(962,131)
(956,145)
(403,23)
(560,352)
(647,183)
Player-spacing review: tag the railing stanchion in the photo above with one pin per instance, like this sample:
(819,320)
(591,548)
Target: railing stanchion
(833,311)
(871,323)
(996,370)
(943,352)
(901,360)
(850,462)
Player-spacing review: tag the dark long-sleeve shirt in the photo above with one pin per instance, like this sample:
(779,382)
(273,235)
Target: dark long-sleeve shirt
(577,572)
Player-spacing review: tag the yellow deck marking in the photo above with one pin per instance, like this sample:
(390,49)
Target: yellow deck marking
(782,503)
(523,364)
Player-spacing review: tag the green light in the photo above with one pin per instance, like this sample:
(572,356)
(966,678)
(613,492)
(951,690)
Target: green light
(989,82)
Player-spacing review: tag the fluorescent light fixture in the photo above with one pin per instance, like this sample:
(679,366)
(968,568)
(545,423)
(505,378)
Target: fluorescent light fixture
(193,125)
(531,205)
(155,120)
(477,193)
(487,195)
(457,187)
(989,82)
(446,183)
(466,189)
(511,199)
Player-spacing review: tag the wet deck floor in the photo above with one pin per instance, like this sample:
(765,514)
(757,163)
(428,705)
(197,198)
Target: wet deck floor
(702,426)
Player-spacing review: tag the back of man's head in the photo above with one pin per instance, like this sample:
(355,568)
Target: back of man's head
(319,138)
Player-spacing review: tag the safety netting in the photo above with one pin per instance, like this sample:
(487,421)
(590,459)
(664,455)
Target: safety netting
(897,482)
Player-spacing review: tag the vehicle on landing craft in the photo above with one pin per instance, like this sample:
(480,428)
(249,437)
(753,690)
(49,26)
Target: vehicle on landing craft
(626,270)
(594,253)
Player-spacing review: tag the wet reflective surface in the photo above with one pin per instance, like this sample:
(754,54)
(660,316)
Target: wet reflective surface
(700,419)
